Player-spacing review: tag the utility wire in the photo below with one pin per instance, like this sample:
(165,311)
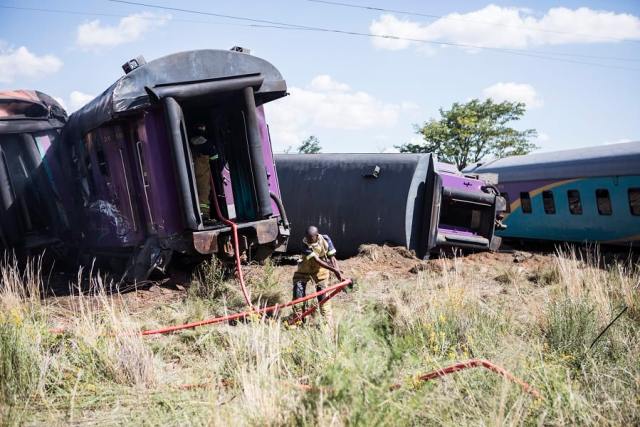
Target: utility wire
(200,12)
(116,15)
(288,26)
(447,17)
(268,24)
(534,54)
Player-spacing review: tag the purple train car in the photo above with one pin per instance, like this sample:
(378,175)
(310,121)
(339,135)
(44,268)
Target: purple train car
(409,200)
(31,214)
(136,203)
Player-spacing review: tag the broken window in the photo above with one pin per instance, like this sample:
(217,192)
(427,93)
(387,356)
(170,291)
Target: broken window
(548,202)
(575,204)
(634,201)
(603,201)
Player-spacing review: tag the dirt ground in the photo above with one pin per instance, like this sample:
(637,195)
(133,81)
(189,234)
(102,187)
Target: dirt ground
(373,263)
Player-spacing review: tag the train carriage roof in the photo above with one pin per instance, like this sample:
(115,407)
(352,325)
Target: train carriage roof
(604,160)
(29,110)
(131,91)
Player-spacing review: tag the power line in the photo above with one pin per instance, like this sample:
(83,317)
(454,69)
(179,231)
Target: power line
(116,15)
(447,17)
(200,12)
(288,26)
(267,24)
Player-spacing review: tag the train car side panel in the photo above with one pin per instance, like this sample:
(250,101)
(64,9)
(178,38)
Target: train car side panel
(586,209)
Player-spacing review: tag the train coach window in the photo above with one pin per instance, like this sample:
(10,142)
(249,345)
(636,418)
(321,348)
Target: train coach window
(575,204)
(548,202)
(507,201)
(604,201)
(102,159)
(634,201)
(525,202)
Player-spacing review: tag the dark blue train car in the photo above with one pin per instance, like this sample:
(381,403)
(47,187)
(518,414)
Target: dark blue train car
(582,195)
(31,214)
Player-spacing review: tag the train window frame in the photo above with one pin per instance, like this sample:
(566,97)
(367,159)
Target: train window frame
(603,196)
(101,159)
(548,202)
(527,208)
(576,207)
(634,202)
(507,202)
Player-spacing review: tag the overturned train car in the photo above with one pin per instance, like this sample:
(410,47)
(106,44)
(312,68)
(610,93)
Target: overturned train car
(402,199)
(31,213)
(138,203)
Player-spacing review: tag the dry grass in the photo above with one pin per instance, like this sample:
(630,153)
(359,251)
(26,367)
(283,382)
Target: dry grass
(537,318)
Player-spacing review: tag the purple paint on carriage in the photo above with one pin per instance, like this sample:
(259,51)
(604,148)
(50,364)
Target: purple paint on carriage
(142,192)
(453,179)
(159,184)
(269,163)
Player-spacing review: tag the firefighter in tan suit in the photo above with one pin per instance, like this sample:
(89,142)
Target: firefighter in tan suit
(318,262)
(202,152)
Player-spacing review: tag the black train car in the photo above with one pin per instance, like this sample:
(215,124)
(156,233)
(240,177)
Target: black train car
(411,200)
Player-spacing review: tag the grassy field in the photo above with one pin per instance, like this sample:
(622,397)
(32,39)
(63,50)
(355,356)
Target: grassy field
(535,315)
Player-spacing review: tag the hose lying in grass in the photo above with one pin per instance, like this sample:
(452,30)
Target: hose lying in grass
(274,308)
(438,373)
(333,290)
(475,363)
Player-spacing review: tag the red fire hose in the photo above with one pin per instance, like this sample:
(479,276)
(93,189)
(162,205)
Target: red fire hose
(236,243)
(313,308)
(274,308)
(475,363)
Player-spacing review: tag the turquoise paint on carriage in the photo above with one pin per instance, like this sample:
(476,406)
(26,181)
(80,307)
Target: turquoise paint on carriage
(590,225)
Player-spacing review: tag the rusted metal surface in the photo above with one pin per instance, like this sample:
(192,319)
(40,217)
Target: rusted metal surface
(267,231)
(211,241)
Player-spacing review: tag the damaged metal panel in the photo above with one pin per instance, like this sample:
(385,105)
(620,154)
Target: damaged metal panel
(31,217)
(143,196)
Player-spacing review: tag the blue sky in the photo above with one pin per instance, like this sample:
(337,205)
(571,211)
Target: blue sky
(361,94)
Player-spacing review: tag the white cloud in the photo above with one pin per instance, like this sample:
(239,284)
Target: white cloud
(327,104)
(94,35)
(15,63)
(324,83)
(515,92)
(509,27)
(77,100)
(543,137)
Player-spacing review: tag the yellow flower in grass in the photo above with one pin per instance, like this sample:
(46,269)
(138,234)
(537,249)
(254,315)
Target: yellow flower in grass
(15,317)
(567,357)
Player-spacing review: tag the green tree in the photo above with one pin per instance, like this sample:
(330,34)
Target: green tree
(311,145)
(470,132)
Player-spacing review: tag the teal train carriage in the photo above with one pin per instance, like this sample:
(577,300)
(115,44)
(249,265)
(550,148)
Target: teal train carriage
(583,195)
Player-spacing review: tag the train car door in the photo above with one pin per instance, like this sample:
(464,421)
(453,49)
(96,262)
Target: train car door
(112,214)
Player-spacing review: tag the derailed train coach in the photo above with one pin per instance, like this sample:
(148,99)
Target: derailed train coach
(410,200)
(136,205)
(31,212)
(589,194)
